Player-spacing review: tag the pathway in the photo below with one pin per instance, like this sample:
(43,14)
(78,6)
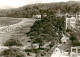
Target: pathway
(62,50)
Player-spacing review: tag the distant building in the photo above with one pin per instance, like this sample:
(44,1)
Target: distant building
(72,21)
(59,15)
(38,16)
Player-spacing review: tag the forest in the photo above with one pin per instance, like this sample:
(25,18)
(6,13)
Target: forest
(47,30)
(28,11)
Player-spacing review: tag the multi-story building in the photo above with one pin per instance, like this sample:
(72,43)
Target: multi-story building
(72,21)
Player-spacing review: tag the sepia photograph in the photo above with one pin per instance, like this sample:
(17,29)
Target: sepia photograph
(39,28)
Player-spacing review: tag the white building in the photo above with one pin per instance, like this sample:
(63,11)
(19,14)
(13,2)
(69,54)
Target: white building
(75,51)
(37,16)
(70,23)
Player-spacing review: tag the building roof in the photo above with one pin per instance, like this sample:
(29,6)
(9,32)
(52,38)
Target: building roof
(72,17)
(64,39)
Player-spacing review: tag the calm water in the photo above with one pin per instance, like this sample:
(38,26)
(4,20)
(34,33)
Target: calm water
(5,21)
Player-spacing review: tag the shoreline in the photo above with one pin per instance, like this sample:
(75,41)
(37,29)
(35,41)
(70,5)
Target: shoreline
(6,32)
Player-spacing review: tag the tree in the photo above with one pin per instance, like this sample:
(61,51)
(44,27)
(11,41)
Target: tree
(75,8)
(38,40)
(46,29)
(35,7)
(65,8)
(13,42)
(72,38)
(13,52)
(41,11)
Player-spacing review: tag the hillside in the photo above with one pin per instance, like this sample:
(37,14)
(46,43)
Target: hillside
(45,8)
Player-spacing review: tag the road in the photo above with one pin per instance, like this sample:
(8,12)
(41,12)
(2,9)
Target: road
(62,50)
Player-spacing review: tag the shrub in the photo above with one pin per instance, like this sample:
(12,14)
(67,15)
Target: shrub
(68,30)
(76,44)
(13,52)
(13,42)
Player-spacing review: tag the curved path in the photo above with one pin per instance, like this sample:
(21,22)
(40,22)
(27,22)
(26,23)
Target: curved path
(6,32)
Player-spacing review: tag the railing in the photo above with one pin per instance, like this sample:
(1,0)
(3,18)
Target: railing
(75,51)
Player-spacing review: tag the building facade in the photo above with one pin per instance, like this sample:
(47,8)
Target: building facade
(75,51)
(37,16)
(70,23)
(73,22)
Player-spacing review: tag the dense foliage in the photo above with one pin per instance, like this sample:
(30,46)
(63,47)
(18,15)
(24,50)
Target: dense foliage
(50,8)
(13,42)
(12,52)
(48,29)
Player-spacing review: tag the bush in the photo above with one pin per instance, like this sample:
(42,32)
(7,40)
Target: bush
(13,42)
(13,52)
(68,30)
(35,50)
(76,44)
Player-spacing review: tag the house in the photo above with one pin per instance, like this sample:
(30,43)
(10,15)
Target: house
(70,23)
(38,16)
(75,51)
(64,39)
(59,15)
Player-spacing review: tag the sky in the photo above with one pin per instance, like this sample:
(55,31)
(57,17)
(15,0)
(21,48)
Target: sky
(7,4)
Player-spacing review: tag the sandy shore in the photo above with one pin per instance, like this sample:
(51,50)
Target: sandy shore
(6,32)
